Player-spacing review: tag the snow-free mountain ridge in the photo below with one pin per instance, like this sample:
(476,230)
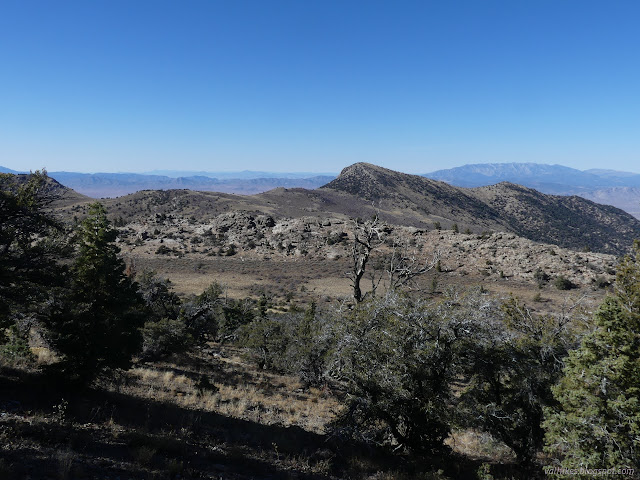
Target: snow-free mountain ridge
(620,189)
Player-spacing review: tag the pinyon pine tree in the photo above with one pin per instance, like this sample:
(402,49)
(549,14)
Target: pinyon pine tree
(97,328)
(598,424)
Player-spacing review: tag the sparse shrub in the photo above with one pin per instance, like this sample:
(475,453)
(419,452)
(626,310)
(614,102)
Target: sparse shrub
(60,412)
(601,282)
(163,250)
(437,226)
(541,277)
(563,283)
(164,337)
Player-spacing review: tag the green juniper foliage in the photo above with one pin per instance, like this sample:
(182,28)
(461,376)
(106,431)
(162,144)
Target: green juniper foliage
(399,359)
(297,343)
(32,243)
(598,422)
(164,331)
(513,366)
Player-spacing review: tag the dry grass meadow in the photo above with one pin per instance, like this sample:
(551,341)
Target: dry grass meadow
(206,414)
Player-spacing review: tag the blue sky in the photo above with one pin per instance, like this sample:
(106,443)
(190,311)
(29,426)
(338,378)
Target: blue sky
(311,85)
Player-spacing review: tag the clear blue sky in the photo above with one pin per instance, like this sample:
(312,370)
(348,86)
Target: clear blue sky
(311,85)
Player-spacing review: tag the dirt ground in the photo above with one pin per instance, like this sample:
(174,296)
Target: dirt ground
(302,280)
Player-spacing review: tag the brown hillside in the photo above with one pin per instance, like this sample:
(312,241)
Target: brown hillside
(571,222)
(409,200)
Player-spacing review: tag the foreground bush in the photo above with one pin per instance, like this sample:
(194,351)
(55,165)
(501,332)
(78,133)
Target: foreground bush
(297,343)
(514,363)
(400,359)
(164,337)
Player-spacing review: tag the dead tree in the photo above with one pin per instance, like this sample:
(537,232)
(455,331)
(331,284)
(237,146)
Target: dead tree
(405,265)
(400,267)
(367,236)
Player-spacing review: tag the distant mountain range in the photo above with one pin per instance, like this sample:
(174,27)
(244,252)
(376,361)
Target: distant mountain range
(244,174)
(621,189)
(610,187)
(109,185)
(408,200)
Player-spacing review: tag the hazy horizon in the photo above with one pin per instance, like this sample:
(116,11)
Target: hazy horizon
(299,173)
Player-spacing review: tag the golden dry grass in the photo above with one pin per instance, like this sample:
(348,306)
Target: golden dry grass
(44,355)
(479,445)
(264,398)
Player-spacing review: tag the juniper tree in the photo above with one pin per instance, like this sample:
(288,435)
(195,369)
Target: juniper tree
(309,347)
(32,243)
(156,293)
(598,422)
(399,359)
(513,363)
(164,331)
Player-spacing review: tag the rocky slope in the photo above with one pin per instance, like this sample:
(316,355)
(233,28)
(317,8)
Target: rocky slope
(571,222)
(609,187)
(406,200)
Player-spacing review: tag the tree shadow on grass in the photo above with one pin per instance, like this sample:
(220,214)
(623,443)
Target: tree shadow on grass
(103,434)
